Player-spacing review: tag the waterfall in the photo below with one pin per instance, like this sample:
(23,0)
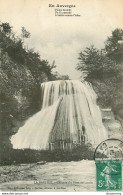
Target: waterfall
(68,114)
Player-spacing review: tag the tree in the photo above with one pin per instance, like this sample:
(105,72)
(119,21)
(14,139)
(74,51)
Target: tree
(7,29)
(25,33)
(104,69)
(113,47)
(95,65)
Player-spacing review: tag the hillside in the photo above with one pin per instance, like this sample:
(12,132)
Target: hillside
(21,72)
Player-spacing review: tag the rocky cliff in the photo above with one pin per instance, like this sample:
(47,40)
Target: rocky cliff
(19,95)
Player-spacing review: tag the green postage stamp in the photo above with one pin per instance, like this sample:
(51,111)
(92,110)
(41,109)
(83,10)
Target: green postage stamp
(108,174)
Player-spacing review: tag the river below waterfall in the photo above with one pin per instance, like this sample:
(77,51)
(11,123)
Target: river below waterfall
(54,176)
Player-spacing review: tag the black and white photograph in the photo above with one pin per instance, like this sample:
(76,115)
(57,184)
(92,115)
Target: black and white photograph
(61,95)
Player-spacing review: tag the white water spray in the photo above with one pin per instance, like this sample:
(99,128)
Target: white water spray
(69,114)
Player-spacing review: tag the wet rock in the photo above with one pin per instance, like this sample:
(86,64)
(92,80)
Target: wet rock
(41,163)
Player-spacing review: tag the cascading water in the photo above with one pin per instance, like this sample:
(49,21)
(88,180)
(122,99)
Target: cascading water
(69,114)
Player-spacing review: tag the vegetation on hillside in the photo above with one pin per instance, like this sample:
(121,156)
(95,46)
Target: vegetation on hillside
(104,69)
(14,46)
(21,73)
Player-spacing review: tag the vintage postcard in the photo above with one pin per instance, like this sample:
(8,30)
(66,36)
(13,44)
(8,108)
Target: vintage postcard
(61,95)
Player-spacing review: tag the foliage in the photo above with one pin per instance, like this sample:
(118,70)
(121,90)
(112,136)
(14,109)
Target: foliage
(14,46)
(113,47)
(25,33)
(96,65)
(22,72)
(7,29)
(104,69)
(15,51)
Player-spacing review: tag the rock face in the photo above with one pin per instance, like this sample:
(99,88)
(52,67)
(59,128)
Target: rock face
(114,127)
(19,95)
(110,99)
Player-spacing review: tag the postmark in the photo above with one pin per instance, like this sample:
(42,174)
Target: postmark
(110,148)
(108,158)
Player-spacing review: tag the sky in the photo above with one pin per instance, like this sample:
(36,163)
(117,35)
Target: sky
(62,38)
